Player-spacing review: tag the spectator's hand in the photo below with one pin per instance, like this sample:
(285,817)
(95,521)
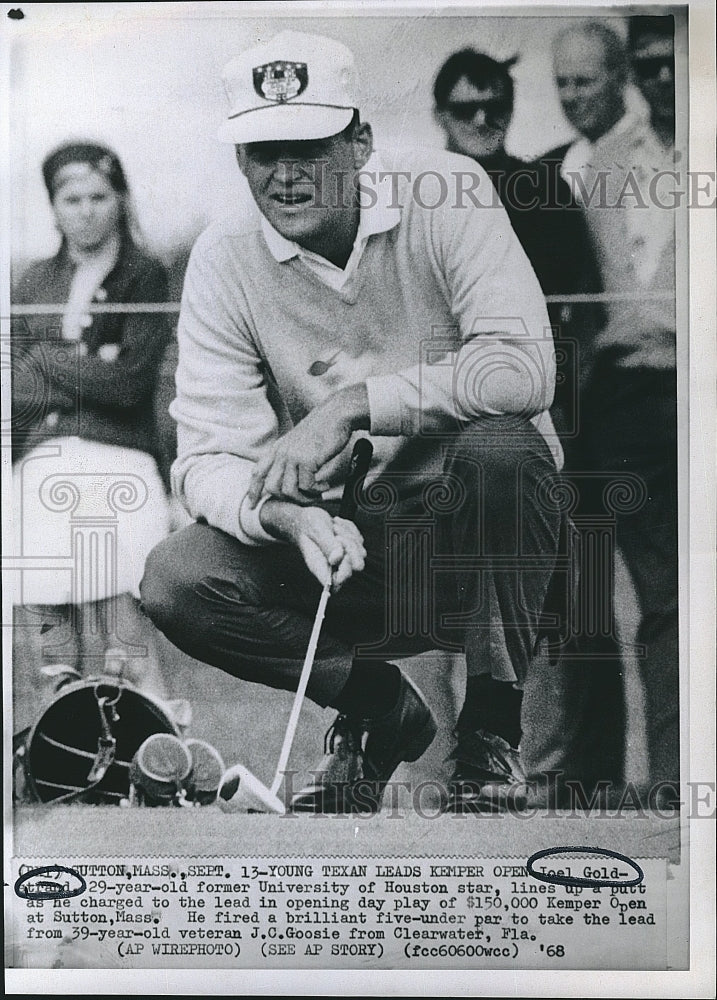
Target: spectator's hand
(332,547)
(288,470)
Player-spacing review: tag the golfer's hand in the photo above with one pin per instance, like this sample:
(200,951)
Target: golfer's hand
(332,547)
(288,471)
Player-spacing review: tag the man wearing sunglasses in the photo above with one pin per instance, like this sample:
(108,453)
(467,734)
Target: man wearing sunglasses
(653,65)
(473,96)
(473,104)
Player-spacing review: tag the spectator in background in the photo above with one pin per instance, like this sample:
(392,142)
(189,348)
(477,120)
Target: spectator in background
(166,389)
(84,383)
(591,75)
(630,408)
(591,72)
(652,53)
(473,96)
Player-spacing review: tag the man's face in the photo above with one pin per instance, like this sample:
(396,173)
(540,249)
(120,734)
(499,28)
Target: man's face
(653,62)
(475,121)
(305,187)
(590,92)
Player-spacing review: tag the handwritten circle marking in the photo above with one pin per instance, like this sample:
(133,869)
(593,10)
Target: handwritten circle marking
(556,879)
(46,889)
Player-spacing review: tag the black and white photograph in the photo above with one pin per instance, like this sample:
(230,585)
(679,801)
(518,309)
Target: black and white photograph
(358,498)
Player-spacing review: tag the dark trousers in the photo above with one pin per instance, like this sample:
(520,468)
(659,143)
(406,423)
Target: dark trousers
(626,477)
(633,428)
(463,561)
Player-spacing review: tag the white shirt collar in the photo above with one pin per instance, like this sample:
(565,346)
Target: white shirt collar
(582,151)
(628,121)
(379,218)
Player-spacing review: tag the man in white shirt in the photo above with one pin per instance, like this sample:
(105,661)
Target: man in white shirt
(630,406)
(591,73)
(629,417)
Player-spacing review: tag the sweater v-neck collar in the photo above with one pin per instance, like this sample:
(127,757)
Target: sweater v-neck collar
(348,293)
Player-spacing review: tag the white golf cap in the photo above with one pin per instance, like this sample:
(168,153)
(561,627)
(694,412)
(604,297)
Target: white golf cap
(295,86)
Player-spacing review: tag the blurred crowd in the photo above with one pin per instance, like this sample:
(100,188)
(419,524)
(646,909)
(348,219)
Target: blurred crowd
(104,404)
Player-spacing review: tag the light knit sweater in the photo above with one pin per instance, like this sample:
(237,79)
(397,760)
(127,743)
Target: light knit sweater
(444,320)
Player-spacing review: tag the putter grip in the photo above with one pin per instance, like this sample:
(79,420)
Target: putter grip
(360,462)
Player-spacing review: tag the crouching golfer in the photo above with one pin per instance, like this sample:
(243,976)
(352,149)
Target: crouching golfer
(373,295)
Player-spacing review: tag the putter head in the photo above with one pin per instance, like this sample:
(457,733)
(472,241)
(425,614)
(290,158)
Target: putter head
(241,791)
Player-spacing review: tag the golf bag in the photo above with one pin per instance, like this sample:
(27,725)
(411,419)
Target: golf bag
(82,746)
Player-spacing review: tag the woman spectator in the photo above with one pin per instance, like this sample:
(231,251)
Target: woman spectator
(83,388)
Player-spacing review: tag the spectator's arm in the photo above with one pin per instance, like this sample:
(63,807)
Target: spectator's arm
(31,387)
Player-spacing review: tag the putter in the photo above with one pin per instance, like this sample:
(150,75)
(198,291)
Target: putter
(240,790)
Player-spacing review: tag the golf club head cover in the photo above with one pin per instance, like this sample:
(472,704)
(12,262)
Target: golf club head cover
(159,771)
(205,777)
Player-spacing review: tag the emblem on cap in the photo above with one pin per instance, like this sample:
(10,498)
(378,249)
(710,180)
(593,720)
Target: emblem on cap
(280,81)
